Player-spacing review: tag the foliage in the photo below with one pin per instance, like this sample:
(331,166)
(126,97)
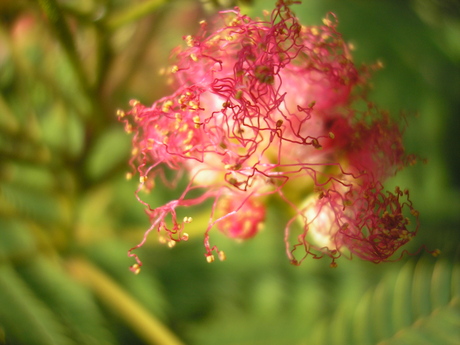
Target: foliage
(67,214)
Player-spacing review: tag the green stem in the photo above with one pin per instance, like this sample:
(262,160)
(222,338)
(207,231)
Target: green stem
(138,318)
(132,14)
(8,122)
(62,31)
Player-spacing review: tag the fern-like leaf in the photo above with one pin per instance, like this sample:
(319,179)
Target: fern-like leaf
(419,304)
(24,318)
(75,305)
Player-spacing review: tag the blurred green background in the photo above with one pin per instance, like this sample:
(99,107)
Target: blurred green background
(68,215)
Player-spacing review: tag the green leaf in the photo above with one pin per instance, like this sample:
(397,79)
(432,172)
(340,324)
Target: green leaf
(24,318)
(133,13)
(111,149)
(15,240)
(23,202)
(415,305)
(74,304)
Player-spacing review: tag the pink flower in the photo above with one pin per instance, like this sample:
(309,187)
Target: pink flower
(241,218)
(265,108)
(356,220)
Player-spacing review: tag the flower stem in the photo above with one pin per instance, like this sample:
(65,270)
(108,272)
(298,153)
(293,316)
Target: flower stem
(113,296)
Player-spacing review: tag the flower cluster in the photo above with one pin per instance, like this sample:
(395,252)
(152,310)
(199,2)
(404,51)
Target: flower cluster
(268,108)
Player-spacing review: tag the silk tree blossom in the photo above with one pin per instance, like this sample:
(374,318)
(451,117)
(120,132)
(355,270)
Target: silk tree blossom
(267,108)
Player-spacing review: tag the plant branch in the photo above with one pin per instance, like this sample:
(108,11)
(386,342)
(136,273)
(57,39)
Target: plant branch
(139,319)
(62,31)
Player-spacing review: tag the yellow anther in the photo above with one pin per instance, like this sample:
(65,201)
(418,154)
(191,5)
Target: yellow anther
(184,237)
(347,202)
(314,31)
(135,268)
(333,264)
(436,253)
(415,213)
(189,40)
(222,256)
(188,219)
(120,113)
(233,181)
(316,144)
(129,176)
(331,135)
(189,138)
(167,106)
(171,243)
(229,38)
(134,102)
(194,57)
(209,258)
(194,105)
(327,22)
(295,262)
(129,129)
(260,226)
(142,179)
(174,69)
